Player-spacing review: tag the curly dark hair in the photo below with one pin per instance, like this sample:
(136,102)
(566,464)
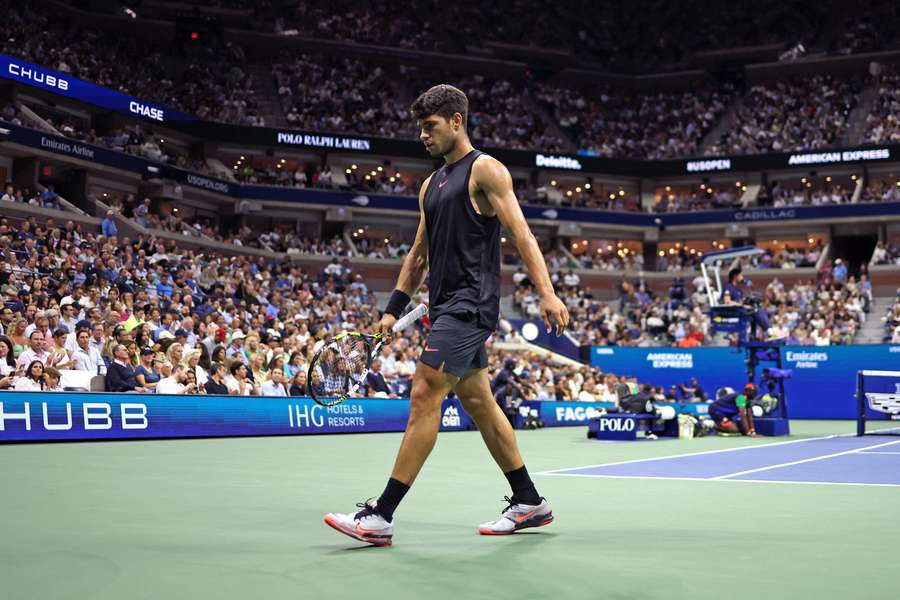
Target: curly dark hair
(442,100)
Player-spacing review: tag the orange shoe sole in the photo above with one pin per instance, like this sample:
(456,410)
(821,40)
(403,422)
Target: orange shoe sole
(538,524)
(356,534)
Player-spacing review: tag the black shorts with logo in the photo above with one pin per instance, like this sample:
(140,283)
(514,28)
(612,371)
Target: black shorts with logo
(456,344)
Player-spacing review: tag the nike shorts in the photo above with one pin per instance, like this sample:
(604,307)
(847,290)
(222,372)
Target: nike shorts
(456,344)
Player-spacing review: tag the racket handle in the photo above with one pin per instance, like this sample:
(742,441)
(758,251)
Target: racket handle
(410,317)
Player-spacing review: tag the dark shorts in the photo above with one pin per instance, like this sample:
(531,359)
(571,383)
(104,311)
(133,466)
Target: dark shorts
(456,344)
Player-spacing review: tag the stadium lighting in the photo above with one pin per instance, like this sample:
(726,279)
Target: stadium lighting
(612,196)
(803,180)
(380,169)
(553,182)
(368,177)
(347,171)
(662,253)
(578,189)
(353,167)
(503,240)
(392,179)
(242,157)
(621,192)
(569,193)
(828,179)
(587,186)
(668,188)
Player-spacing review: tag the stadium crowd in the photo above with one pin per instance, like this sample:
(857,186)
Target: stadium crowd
(616,123)
(887,253)
(146,316)
(212,85)
(892,320)
(782,116)
(883,121)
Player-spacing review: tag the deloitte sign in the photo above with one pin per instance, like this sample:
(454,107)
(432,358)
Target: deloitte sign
(557,162)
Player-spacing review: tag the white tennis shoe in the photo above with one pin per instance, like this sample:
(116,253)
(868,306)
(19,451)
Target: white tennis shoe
(518,516)
(366,525)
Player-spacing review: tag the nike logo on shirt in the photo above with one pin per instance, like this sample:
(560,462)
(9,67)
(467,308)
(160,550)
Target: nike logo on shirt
(427,349)
(442,184)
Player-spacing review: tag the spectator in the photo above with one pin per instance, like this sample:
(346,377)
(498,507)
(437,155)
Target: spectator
(216,382)
(108,225)
(146,373)
(120,376)
(274,384)
(32,379)
(36,351)
(237,382)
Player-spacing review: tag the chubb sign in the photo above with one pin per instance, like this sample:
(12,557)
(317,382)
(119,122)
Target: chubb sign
(94,416)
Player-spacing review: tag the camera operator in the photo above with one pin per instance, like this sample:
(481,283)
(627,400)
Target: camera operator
(731,411)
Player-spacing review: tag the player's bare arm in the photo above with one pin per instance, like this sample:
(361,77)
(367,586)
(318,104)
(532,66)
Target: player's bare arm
(493,182)
(415,265)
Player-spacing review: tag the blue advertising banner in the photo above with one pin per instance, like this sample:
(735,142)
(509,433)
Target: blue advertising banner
(713,367)
(822,385)
(36,416)
(556,414)
(64,84)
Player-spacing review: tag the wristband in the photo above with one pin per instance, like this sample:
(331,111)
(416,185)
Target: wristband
(396,304)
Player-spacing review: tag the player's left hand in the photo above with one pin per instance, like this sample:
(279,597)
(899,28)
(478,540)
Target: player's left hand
(553,310)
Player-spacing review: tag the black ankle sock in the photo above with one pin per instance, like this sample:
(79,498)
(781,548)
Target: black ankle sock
(391,496)
(522,486)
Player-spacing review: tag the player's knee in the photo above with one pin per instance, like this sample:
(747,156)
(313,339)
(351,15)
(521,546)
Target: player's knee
(476,406)
(422,399)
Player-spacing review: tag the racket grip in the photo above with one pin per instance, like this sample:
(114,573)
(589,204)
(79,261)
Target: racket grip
(410,317)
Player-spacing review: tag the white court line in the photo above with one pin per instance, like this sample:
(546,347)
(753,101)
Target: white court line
(717,451)
(892,453)
(660,477)
(805,460)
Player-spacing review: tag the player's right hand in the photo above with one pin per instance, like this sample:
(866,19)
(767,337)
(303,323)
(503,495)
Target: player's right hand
(554,311)
(385,326)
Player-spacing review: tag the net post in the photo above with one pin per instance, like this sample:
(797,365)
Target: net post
(860,405)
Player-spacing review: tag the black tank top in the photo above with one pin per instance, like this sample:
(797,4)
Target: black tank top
(463,248)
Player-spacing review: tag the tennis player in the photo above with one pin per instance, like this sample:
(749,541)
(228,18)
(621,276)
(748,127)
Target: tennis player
(462,207)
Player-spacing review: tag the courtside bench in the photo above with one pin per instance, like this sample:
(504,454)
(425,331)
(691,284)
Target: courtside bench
(626,426)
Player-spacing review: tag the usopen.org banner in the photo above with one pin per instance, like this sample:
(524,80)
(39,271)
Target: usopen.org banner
(36,416)
(20,71)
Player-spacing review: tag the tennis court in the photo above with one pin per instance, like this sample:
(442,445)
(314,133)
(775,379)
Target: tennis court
(238,518)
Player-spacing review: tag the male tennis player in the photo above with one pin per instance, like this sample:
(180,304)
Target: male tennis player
(462,207)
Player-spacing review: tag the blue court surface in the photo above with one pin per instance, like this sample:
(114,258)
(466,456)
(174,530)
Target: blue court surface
(835,460)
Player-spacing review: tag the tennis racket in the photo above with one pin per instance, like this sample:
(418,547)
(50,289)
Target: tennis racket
(339,368)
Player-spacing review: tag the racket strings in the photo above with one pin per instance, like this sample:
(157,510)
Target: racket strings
(341,367)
